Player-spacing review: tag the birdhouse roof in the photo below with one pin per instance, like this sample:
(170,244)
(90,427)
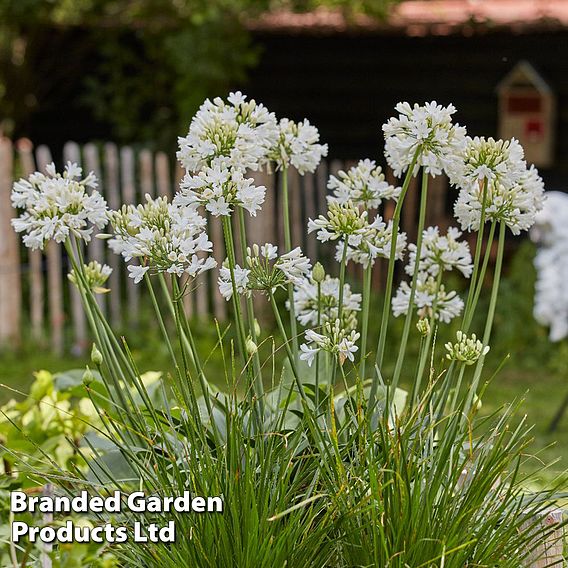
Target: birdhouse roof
(523,74)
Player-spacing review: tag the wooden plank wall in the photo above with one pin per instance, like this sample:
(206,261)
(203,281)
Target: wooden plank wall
(35,294)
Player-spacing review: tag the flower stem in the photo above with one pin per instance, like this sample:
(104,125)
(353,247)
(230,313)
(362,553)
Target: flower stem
(288,246)
(318,353)
(410,312)
(481,278)
(490,314)
(289,353)
(390,278)
(365,318)
(259,388)
(478,248)
(229,247)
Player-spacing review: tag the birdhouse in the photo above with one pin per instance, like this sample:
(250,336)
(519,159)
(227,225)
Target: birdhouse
(527,109)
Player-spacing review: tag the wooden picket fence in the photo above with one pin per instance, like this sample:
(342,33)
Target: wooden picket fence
(35,294)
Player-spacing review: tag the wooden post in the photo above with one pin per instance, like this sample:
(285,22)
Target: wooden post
(10,281)
(163,182)
(72,153)
(549,551)
(35,257)
(112,195)
(296,226)
(54,273)
(146,173)
(129,196)
(438,190)
(321,188)
(310,200)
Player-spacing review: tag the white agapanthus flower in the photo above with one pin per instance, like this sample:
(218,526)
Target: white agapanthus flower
(466,350)
(265,270)
(515,205)
(96,275)
(550,232)
(333,339)
(487,159)
(57,205)
(375,242)
(448,304)
(441,253)
(306,303)
(226,285)
(363,185)
(241,131)
(298,145)
(164,237)
(343,220)
(426,131)
(220,187)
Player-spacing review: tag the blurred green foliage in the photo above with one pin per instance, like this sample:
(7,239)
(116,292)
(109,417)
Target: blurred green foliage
(139,67)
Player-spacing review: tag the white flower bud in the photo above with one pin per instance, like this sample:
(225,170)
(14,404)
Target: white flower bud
(96,356)
(318,273)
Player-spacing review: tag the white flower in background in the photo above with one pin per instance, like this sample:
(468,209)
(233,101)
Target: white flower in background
(226,285)
(448,304)
(96,275)
(306,303)
(219,187)
(333,339)
(343,220)
(466,350)
(441,253)
(267,271)
(363,184)
(164,237)
(428,130)
(516,204)
(241,131)
(550,232)
(58,205)
(298,145)
(374,242)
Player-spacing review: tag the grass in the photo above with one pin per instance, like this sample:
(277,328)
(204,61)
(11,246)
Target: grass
(535,370)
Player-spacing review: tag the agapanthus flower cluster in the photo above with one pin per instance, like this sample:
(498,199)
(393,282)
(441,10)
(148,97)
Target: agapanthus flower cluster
(372,243)
(441,253)
(241,131)
(96,275)
(495,169)
(363,185)
(343,220)
(427,298)
(298,145)
(57,205)
(219,187)
(333,339)
(423,134)
(466,350)
(306,303)
(163,236)
(265,270)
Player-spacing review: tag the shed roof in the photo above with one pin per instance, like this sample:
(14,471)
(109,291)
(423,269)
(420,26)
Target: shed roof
(426,17)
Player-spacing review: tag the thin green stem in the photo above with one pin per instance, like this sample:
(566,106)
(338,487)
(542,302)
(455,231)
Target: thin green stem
(490,313)
(478,248)
(288,246)
(410,312)
(229,247)
(390,278)
(259,388)
(317,354)
(481,278)
(428,344)
(289,353)
(365,318)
